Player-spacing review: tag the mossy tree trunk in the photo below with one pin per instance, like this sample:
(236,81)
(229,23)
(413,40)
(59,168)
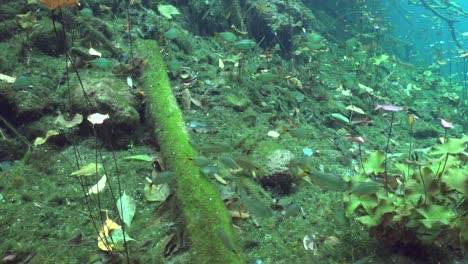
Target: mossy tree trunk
(207,221)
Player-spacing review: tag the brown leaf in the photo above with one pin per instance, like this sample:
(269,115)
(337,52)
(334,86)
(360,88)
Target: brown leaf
(56,4)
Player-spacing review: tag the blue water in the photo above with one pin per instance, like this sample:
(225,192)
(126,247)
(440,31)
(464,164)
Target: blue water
(428,36)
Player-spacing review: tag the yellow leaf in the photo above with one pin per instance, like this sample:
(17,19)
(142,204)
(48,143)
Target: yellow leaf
(105,232)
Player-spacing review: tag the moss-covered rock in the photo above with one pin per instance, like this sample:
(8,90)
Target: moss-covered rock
(109,96)
(237,102)
(9,56)
(43,38)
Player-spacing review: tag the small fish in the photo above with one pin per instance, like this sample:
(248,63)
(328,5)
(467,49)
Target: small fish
(215,147)
(256,207)
(229,162)
(328,181)
(366,187)
(200,161)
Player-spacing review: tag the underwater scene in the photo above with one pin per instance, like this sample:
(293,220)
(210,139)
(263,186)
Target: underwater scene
(234,131)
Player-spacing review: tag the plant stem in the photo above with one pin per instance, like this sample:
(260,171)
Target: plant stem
(424,185)
(386,151)
(360,159)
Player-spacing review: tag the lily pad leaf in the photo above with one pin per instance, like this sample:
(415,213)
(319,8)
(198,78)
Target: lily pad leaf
(126,206)
(88,170)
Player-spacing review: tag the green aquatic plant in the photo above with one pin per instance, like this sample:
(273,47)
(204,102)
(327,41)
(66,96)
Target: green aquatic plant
(427,210)
(392,109)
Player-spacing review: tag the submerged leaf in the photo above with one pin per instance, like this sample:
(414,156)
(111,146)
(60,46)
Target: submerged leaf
(99,186)
(157,193)
(452,146)
(375,162)
(77,119)
(118,238)
(56,4)
(88,170)
(434,214)
(42,140)
(140,158)
(126,207)
(108,227)
(97,118)
(340,117)
(168,11)
(163,177)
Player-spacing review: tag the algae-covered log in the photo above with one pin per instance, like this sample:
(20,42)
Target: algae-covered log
(207,221)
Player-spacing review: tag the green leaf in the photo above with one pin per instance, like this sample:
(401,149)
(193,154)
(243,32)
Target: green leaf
(353,204)
(340,117)
(117,239)
(42,140)
(157,193)
(457,179)
(164,177)
(126,206)
(375,162)
(375,218)
(434,214)
(168,11)
(88,170)
(452,146)
(380,59)
(140,158)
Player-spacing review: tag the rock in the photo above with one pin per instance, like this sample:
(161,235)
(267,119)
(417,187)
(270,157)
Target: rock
(279,160)
(111,96)
(27,99)
(11,149)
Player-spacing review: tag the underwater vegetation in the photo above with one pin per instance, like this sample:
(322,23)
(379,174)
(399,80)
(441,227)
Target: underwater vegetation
(230,132)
